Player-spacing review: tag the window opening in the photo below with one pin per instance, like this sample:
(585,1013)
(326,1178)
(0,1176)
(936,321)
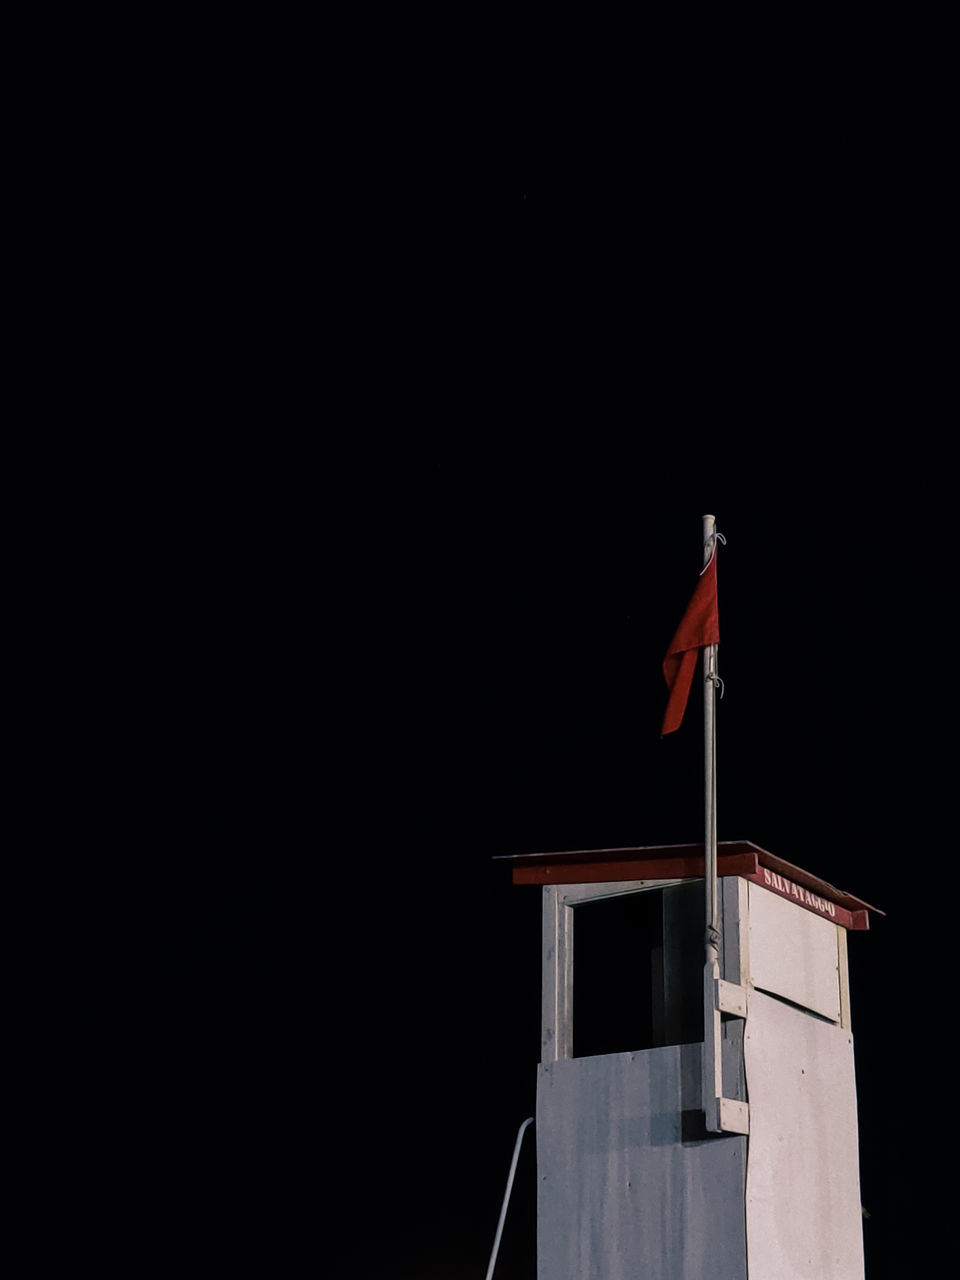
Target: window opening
(638,970)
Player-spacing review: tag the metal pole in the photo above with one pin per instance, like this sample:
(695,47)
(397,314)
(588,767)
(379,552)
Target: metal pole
(712,1084)
(506,1196)
(710,763)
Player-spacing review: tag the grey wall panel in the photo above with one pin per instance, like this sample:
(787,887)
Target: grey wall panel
(731,1059)
(793,953)
(803,1179)
(629,1183)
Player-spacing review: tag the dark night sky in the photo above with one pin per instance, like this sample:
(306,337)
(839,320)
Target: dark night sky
(314,668)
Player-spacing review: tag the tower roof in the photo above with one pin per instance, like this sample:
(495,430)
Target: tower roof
(686,861)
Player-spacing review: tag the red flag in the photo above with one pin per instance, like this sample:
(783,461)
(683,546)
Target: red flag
(698,627)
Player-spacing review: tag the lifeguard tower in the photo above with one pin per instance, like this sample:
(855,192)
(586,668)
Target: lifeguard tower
(686,1131)
(696,1103)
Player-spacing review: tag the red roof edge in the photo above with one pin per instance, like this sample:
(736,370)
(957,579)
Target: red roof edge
(690,854)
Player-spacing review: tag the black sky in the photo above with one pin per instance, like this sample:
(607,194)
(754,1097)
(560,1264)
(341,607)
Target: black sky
(389,598)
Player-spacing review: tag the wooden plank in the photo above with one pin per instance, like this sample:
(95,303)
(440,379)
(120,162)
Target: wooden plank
(556,1039)
(631,853)
(794,954)
(736,929)
(689,868)
(731,998)
(653,855)
(803,1180)
(804,897)
(817,886)
(844,969)
(628,1183)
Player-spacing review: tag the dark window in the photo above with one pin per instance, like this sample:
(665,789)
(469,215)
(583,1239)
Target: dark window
(637,970)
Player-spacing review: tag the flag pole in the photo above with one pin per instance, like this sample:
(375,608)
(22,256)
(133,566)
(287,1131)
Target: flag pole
(710,762)
(712,1082)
